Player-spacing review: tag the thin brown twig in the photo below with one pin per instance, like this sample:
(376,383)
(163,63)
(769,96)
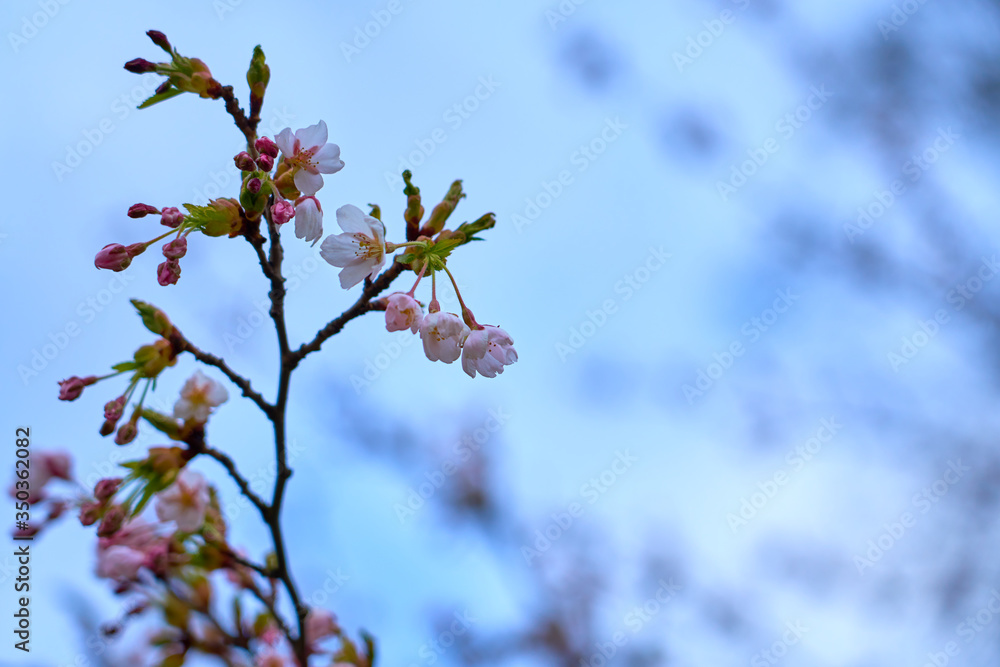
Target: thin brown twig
(360,307)
(237,379)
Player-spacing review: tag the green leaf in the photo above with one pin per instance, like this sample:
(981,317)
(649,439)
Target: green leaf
(159,97)
(125,366)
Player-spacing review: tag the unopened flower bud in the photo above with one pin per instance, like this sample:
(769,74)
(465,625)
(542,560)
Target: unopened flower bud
(105,488)
(282,211)
(107,427)
(160,40)
(163,87)
(126,433)
(135,250)
(172,217)
(254,185)
(244,162)
(112,521)
(169,272)
(176,248)
(113,256)
(89,513)
(141,210)
(140,66)
(113,409)
(265,162)
(70,390)
(265,146)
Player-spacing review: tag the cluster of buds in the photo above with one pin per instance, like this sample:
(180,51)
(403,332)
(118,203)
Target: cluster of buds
(184,75)
(219,217)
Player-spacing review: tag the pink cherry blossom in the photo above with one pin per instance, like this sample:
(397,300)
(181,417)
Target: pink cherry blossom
(360,250)
(184,502)
(198,396)
(402,312)
(443,335)
(308,219)
(487,350)
(282,211)
(320,624)
(308,152)
(119,562)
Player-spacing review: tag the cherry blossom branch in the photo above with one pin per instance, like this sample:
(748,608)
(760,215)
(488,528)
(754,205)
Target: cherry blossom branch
(246,125)
(241,482)
(360,307)
(244,384)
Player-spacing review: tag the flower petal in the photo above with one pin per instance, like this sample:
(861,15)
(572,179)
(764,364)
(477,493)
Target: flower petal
(307,182)
(286,142)
(354,273)
(340,249)
(312,136)
(352,220)
(328,160)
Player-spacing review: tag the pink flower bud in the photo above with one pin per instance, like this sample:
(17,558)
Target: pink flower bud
(172,217)
(126,433)
(89,513)
(113,256)
(113,409)
(163,87)
(112,521)
(107,428)
(169,272)
(70,389)
(106,488)
(55,464)
(402,312)
(265,162)
(135,250)
(176,248)
(140,66)
(160,40)
(244,162)
(282,211)
(265,146)
(141,210)
(254,185)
